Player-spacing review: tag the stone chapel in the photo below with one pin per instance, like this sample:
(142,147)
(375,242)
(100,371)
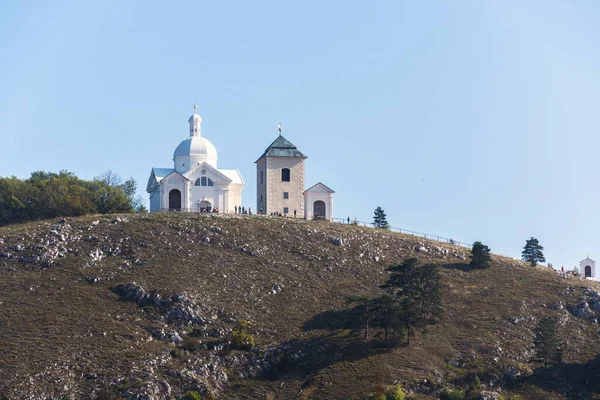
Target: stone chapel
(195,183)
(280,184)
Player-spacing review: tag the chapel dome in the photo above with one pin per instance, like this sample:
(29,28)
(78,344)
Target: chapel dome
(195,146)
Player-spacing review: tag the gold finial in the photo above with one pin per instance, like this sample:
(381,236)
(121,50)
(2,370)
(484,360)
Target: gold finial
(280,128)
(195,107)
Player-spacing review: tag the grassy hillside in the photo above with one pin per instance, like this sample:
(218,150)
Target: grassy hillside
(144,305)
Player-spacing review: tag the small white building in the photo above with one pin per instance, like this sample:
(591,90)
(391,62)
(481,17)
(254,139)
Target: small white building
(587,268)
(195,183)
(318,202)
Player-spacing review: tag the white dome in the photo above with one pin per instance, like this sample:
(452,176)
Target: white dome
(195,146)
(195,118)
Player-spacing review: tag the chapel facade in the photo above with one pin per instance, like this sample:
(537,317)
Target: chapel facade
(587,268)
(195,183)
(280,173)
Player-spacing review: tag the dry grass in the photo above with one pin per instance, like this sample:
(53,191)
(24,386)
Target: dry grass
(279,274)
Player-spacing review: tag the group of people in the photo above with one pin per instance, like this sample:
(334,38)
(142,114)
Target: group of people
(354,221)
(248,211)
(243,210)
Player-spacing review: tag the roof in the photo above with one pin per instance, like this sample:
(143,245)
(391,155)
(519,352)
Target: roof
(234,175)
(281,147)
(160,173)
(321,186)
(195,145)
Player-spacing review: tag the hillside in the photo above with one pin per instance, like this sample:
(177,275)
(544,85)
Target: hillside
(142,306)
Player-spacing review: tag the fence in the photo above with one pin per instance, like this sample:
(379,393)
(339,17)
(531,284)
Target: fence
(405,231)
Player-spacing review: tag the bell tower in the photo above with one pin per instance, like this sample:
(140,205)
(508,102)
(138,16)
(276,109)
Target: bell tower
(280,178)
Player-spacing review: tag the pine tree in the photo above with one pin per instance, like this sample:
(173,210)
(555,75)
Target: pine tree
(363,312)
(532,252)
(386,314)
(419,291)
(547,343)
(480,256)
(379,220)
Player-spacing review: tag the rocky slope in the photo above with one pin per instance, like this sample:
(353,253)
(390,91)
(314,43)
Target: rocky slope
(143,307)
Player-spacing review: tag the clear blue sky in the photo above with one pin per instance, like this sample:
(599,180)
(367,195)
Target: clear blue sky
(476,120)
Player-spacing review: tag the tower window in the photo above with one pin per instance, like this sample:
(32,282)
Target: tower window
(286,195)
(286,210)
(262,174)
(285,175)
(261,198)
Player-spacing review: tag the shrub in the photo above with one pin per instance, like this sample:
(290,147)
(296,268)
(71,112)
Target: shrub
(240,338)
(176,353)
(192,395)
(396,393)
(449,394)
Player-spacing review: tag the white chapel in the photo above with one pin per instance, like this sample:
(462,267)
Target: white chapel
(195,183)
(587,268)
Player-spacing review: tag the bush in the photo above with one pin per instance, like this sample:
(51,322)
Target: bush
(395,393)
(240,338)
(192,395)
(176,353)
(448,394)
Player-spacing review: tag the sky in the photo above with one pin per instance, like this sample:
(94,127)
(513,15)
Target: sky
(473,120)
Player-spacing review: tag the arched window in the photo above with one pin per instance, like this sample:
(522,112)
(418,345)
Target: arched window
(204,181)
(285,175)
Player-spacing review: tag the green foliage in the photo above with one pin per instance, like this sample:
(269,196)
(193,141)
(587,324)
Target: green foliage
(176,353)
(418,289)
(386,314)
(450,394)
(50,195)
(532,252)
(379,220)
(395,393)
(480,256)
(547,343)
(240,338)
(191,395)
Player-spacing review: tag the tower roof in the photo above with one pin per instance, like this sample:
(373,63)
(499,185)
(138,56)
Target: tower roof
(281,147)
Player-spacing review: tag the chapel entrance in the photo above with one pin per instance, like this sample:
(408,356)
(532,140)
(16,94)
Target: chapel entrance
(174,200)
(319,209)
(204,206)
(588,271)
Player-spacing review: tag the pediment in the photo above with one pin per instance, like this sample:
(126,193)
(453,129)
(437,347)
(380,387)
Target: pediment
(319,188)
(174,177)
(211,172)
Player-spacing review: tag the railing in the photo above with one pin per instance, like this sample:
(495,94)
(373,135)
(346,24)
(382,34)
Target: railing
(405,231)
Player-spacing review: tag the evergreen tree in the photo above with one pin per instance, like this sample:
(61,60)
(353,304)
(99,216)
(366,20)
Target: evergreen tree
(363,312)
(379,220)
(532,252)
(386,314)
(547,343)
(480,256)
(419,291)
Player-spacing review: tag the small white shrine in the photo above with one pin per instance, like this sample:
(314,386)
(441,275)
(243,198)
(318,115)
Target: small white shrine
(587,268)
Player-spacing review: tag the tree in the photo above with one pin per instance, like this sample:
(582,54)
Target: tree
(532,252)
(419,291)
(480,256)
(379,220)
(547,343)
(363,312)
(386,314)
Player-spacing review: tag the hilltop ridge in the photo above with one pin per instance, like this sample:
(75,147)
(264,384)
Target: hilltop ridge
(143,306)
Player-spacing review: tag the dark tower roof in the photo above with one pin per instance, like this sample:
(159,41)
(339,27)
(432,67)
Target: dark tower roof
(281,147)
